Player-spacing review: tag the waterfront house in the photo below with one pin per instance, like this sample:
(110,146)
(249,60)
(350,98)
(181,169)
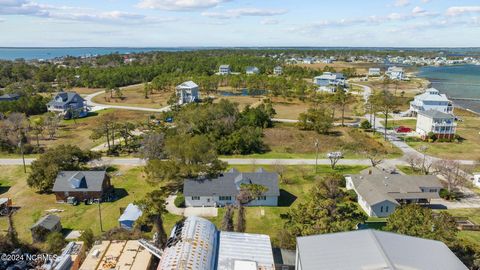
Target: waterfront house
(439,123)
(129,216)
(223,190)
(45,226)
(396,73)
(374,72)
(380,194)
(224,70)
(371,249)
(252,70)
(278,70)
(69,104)
(187,92)
(82,185)
(431,100)
(9,97)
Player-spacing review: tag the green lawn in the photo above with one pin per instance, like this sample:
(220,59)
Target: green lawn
(474,216)
(410,123)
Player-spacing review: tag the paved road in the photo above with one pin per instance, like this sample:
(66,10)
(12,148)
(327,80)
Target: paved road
(97,106)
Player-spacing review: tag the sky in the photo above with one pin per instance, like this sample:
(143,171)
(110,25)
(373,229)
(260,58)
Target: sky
(184,23)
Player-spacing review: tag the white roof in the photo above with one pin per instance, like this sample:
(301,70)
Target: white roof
(431,94)
(132,212)
(370,249)
(240,248)
(3,200)
(189,85)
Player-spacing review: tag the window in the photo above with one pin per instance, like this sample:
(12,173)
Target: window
(225,198)
(195,198)
(386,208)
(433,190)
(262,198)
(381,209)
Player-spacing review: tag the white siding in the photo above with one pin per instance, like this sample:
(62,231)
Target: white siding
(383,209)
(216,202)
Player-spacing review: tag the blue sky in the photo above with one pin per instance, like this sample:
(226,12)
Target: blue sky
(164,23)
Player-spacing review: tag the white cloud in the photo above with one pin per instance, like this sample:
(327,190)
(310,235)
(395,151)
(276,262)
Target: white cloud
(455,11)
(180,5)
(240,12)
(418,10)
(269,21)
(402,3)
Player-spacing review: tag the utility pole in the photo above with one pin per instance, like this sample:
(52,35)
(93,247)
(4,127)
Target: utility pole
(317,144)
(100,215)
(20,145)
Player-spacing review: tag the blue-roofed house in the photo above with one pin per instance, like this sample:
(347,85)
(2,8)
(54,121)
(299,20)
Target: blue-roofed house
(129,216)
(69,104)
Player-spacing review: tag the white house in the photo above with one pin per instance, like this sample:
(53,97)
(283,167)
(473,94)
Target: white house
(380,194)
(431,100)
(69,104)
(374,72)
(278,70)
(396,73)
(252,70)
(187,92)
(371,249)
(329,81)
(224,70)
(476,179)
(441,124)
(223,190)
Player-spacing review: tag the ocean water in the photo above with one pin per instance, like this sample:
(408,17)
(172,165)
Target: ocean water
(49,53)
(458,82)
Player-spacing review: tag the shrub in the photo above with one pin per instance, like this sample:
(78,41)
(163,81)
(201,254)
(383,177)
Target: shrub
(448,195)
(351,195)
(180,200)
(88,238)
(55,242)
(365,125)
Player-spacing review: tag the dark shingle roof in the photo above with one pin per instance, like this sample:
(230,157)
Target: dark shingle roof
(63,98)
(48,222)
(229,183)
(79,181)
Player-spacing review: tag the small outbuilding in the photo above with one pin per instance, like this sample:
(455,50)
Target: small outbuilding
(129,216)
(45,226)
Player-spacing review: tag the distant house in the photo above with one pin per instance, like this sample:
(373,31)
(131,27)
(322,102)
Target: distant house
(224,189)
(252,70)
(380,194)
(9,97)
(45,226)
(129,216)
(476,179)
(431,100)
(224,70)
(396,73)
(370,249)
(69,104)
(439,123)
(374,72)
(187,92)
(329,81)
(82,185)
(278,70)
(308,60)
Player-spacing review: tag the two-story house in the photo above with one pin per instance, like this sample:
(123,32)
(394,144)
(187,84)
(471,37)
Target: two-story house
(187,92)
(224,189)
(224,70)
(396,73)
(439,123)
(329,81)
(278,70)
(380,194)
(69,104)
(431,100)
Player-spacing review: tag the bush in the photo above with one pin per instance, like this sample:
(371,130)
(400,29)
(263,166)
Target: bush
(351,195)
(448,195)
(55,242)
(365,125)
(179,200)
(88,238)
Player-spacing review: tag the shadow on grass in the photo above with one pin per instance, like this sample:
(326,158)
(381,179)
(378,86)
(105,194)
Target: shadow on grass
(437,206)
(286,198)
(120,193)
(4,189)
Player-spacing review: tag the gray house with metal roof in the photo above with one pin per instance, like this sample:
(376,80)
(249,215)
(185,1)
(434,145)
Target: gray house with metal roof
(224,189)
(380,194)
(45,226)
(83,185)
(69,104)
(370,249)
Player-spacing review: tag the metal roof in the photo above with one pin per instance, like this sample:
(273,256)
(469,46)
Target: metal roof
(244,247)
(431,94)
(228,184)
(132,212)
(377,188)
(437,114)
(63,98)
(48,222)
(79,181)
(187,85)
(370,249)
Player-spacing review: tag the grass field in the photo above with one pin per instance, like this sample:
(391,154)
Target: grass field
(129,186)
(285,140)
(410,123)
(83,91)
(134,95)
(468,129)
(473,215)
